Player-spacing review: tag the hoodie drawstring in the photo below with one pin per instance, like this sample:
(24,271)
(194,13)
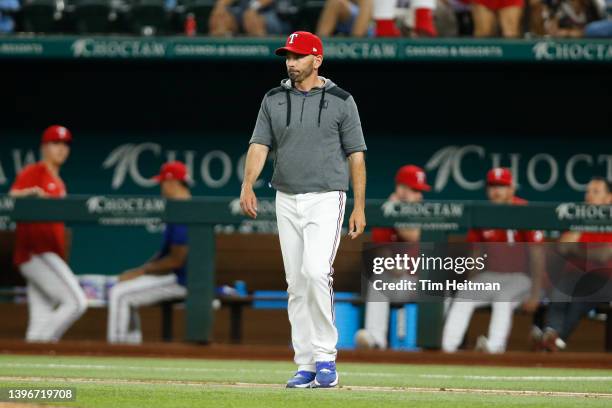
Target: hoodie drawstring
(321,106)
(288,107)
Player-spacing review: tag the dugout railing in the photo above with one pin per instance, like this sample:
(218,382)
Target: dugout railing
(202,214)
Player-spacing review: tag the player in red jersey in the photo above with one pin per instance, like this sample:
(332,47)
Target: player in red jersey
(55,298)
(595,258)
(506,265)
(410,183)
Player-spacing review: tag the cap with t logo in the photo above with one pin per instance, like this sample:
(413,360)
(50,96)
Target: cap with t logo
(303,43)
(499,176)
(174,170)
(56,133)
(413,177)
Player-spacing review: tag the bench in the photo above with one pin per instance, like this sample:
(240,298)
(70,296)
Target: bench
(259,263)
(236,305)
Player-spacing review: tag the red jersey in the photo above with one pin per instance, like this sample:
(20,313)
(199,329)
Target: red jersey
(36,238)
(389,235)
(597,240)
(595,237)
(506,258)
(384,235)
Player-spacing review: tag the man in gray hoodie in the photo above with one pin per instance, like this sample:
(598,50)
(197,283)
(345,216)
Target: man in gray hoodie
(314,129)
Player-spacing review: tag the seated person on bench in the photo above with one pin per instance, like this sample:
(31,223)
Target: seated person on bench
(162,278)
(410,183)
(517,268)
(595,261)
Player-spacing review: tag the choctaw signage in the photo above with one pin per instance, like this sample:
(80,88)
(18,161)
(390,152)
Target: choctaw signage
(429,216)
(599,217)
(572,51)
(454,171)
(541,171)
(132,211)
(97,48)
(198,48)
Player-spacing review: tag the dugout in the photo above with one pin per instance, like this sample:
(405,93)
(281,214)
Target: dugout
(529,104)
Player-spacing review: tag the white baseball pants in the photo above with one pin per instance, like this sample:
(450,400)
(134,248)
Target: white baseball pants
(515,287)
(376,321)
(55,298)
(309,228)
(126,297)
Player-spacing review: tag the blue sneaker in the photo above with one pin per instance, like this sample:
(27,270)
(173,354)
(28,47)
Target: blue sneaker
(327,376)
(301,379)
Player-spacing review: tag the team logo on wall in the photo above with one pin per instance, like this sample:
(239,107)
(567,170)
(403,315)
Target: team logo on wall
(572,51)
(598,216)
(427,215)
(425,210)
(541,171)
(214,168)
(134,211)
(96,48)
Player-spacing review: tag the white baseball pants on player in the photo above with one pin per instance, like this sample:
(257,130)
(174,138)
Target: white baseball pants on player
(309,228)
(377,312)
(514,288)
(377,322)
(126,297)
(55,298)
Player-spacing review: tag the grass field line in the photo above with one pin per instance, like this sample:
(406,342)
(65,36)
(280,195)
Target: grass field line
(282,386)
(518,378)
(103,367)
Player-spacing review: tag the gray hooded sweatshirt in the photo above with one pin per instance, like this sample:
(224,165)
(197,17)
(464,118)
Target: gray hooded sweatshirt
(311,134)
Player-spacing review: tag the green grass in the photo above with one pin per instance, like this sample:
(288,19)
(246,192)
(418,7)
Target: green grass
(206,383)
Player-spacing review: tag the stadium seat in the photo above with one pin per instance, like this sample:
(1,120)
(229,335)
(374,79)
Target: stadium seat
(148,17)
(41,15)
(93,16)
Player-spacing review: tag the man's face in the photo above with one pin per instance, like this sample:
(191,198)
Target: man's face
(500,194)
(300,67)
(169,188)
(407,195)
(597,193)
(56,152)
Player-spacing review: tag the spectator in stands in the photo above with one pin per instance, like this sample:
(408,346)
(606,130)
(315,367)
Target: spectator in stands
(453,18)
(563,316)
(252,17)
(410,183)
(537,13)
(7,8)
(601,28)
(569,18)
(507,265)
(487,14)
(347,17)
(418,17)
(162,278)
